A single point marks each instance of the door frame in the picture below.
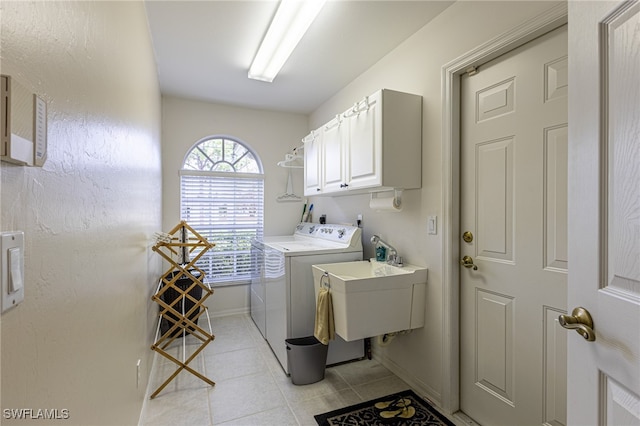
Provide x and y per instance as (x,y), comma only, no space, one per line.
(549,20)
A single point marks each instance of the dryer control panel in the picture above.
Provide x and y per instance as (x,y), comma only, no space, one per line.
(346,234)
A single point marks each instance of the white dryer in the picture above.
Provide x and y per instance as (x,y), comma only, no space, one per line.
(283,298)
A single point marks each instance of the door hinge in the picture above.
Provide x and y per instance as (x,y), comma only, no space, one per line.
(472,71)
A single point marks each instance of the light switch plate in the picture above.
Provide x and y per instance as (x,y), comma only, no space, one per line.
(432,225)
(12,269)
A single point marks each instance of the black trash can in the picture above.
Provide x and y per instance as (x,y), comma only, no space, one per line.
(170,294)
(307,358)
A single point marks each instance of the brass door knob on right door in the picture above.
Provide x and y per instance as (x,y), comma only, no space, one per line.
(580,320)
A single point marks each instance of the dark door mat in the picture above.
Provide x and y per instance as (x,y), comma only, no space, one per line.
(402,409)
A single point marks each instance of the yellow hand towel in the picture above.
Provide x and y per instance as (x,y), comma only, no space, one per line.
(324,329)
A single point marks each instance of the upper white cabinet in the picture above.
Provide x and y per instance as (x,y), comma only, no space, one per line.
(335,139)
(312,157)
(366,141)
(373,146)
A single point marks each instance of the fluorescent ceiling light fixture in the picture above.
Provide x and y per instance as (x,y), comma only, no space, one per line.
(291,22)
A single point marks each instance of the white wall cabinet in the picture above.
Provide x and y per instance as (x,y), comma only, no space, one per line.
(312,157)
(374,146)
(365,144)
(335,138)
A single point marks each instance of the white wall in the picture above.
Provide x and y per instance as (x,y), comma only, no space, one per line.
(269,134)
(416,67)
(88,214)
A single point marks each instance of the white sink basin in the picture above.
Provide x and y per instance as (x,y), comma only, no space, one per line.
(364,269)
(372,298)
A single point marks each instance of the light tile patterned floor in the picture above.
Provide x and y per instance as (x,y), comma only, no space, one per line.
(251,387)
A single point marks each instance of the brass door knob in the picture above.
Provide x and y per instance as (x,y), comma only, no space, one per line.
(467,262)
(580,320)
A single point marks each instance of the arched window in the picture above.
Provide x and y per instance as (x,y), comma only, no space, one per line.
(222,198)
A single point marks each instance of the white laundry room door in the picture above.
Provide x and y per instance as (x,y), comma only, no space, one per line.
(513,247)
(604,207)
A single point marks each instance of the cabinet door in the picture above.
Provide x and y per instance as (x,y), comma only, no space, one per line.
(334,149)
(365,145)
(312,164)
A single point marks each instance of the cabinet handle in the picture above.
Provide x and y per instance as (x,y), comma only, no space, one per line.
(344,185)
(317,189)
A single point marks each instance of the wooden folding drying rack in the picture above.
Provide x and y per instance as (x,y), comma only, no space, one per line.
(178,242)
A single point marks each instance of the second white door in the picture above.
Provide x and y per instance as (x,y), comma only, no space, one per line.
(514,219)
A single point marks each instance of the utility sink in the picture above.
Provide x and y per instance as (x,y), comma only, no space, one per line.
(373,298)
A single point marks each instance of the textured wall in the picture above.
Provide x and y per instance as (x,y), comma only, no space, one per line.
(88,214)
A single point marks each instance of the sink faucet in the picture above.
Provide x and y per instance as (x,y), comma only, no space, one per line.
(392,253)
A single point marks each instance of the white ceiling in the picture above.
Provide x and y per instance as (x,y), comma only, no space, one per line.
(204,48)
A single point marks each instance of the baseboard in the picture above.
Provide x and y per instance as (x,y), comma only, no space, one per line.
(229,312)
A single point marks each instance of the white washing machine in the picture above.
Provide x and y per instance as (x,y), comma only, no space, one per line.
(283,298)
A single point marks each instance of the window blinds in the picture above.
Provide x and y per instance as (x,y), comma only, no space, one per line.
(226,209)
